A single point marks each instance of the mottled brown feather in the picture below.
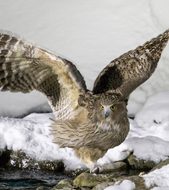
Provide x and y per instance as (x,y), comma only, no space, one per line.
(25,67)
(131,69)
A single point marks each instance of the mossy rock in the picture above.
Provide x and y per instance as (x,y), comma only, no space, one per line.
(139,164)
(91,180)
(138,181)
(102,186)
(114,167)
(20,160)
(40,188)
(64,184)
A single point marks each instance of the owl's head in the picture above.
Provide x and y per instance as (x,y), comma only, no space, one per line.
(105,106)
(110,105)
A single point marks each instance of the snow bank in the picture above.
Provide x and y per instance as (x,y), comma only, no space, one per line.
(146,148)
(124,185)
(159,178)
(90,34)
(33,136)
(19,104)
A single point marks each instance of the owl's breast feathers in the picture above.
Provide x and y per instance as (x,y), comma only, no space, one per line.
(77,133)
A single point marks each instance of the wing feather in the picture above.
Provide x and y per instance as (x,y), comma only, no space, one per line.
(127,72)
(25,67)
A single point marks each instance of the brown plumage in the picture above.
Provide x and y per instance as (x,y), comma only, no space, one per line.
(90,122)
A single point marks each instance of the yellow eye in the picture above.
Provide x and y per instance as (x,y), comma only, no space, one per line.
(112,107)
(101,107)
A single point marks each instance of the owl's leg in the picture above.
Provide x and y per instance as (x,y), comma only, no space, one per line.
(90,156)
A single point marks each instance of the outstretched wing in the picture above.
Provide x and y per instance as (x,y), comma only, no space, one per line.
(25,67)
(127,72)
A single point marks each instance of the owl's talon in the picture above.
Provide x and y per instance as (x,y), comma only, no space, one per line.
(95,170)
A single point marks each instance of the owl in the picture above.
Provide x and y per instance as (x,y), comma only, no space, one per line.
(89,121)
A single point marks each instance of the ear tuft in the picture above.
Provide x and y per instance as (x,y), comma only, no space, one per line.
(84,99)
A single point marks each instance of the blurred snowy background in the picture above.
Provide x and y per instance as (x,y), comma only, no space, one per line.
(90,33)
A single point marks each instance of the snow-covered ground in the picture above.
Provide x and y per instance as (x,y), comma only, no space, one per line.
(33,136)
(90,33)
(148,139)
(158,178)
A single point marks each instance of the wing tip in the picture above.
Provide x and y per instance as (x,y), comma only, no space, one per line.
(7,32)
(154,47)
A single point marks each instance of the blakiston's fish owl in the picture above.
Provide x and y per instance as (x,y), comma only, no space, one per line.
(90,122)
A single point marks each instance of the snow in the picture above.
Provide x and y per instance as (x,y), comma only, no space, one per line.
(124,185)
(146,148)
(159,178)
(19,104)
(33,136)
(89,33)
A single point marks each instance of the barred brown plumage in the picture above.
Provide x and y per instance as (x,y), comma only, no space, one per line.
(90,122)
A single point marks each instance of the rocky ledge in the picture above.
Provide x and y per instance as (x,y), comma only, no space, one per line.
(132,169)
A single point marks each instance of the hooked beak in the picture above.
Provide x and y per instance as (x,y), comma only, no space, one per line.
(106,113)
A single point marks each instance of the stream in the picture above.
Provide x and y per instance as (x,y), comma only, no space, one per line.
(28,179)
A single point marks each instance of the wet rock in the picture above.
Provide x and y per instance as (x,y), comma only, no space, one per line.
(102,186)
(66,184)
(65,188)
(57,166)
(75,173)
(139,164)
(161,164)
(4,157)
(20,160)
(91,180)
(137,180)
(40,188)
(116,166)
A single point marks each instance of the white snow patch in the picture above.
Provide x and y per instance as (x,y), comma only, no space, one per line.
(19,104)
(124,185)
(154,111)
(146,148)
(32,135)
(158,179)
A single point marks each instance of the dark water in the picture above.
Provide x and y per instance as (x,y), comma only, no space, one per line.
(19,180)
